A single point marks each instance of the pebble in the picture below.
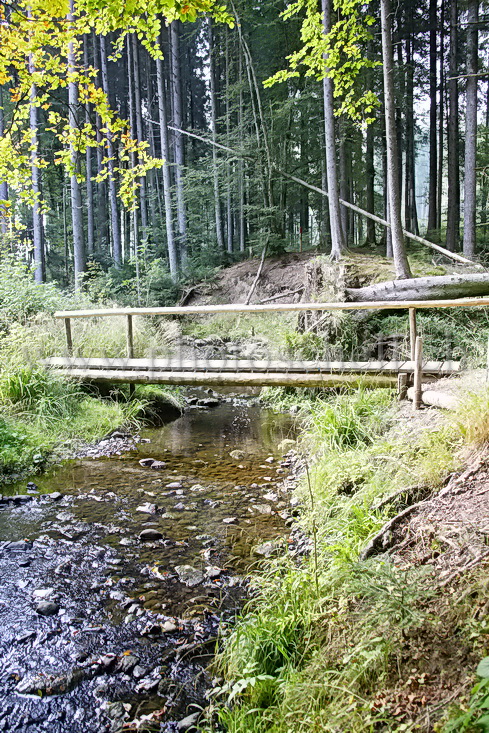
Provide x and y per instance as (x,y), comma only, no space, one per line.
(147,508)
(150,535)
(230,520)
(174,485)
(189,575)
(187,722)
(47,608)
(213,572)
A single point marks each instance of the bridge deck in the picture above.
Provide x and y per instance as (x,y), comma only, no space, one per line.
(242,372)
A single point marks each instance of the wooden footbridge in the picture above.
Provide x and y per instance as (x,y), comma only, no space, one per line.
(245,372)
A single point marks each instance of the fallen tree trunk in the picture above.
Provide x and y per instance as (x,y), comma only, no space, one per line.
(423,288)
(433,398)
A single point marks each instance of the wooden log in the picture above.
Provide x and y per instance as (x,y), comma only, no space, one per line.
(237,379)
(434,398)
(418,372)
(387,304)
(423,288)
(257,277)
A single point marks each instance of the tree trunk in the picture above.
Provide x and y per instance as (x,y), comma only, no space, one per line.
(241,169)
(337,239)
(370,183)
(433,167)
(76,200)
(485,178)
(37,226)
(143,199)
(114,212)
(441,119)
(229,165)
(217,194)
(453,213)
(411,217)
(176,90)
(3,184)
(423,288)
(165,154)
(470,176)
(400,260)
(88,168)
(102,220)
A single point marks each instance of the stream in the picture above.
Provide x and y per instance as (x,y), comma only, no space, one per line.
(116,572)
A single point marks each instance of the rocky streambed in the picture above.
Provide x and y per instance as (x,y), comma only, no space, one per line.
(117,568)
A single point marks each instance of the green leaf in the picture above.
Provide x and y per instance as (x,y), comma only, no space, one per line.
(483,667)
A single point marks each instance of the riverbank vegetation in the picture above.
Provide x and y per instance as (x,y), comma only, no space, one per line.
(44,416)
(330,642)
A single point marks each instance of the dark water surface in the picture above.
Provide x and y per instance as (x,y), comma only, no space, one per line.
(130,637)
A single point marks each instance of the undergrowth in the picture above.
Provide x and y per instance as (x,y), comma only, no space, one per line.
(324,638)
(40,411)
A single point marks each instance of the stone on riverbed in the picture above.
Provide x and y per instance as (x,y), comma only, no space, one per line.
(50,684)
(267,549)
(238,455)
(213,572)
(152,463)
(47,608)
(189,722)
(189,575)
(147,508)
(150,535)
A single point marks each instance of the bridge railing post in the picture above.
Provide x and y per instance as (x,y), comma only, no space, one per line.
(412,332)
(69,337)
(129,338)
(418,373)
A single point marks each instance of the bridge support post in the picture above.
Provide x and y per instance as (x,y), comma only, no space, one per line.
(69,338)
(129,338)
(418,373)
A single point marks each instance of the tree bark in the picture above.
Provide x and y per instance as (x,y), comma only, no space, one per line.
(143,199)
(398,249)
(433,163)
(88,168)
(453,212)
(441,118)
(3,184)
(76,200)
(114,211)
(423,288)
(215,171)
(337,238)
(37,225)
(470,175)
(176,89)
(165,154)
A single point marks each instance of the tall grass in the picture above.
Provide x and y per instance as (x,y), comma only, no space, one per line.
(318,640)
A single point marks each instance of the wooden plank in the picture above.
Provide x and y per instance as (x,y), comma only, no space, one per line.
(259,366)
(273,308)
(230,379)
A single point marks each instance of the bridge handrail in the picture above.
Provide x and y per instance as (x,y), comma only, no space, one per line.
(273,308)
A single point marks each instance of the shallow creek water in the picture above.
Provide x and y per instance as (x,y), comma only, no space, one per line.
(131,635)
